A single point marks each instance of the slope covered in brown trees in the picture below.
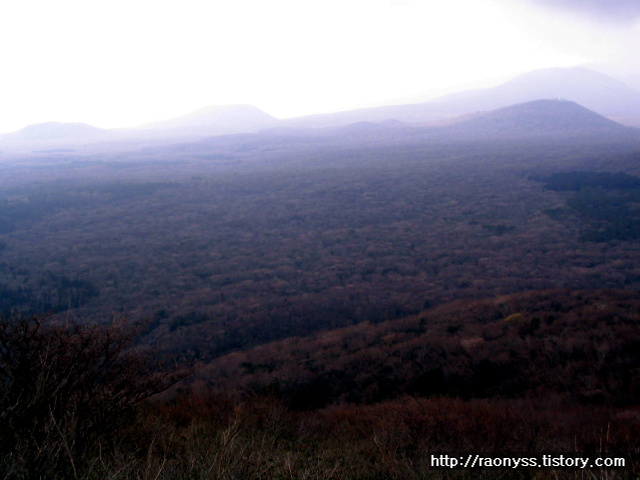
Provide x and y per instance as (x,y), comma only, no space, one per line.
(582,345)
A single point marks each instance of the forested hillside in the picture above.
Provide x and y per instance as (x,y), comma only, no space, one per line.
(581,345)
(552,371)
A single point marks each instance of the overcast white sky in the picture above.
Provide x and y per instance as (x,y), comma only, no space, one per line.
(121,63)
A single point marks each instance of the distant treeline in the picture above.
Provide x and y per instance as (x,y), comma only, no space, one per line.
(608,201)
(575,181)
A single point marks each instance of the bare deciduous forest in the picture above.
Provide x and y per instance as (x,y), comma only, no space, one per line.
(334,308)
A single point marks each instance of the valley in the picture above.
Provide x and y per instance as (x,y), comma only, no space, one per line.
(326,237)
(398,288)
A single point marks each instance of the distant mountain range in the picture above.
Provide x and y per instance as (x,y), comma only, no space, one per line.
(595,91)
(209,121)
(536,118)
(539,120)
(550,101)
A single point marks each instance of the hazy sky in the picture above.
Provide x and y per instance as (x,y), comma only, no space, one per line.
(125,62)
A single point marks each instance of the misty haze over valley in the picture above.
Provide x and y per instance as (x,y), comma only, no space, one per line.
(595,91)
(340,286)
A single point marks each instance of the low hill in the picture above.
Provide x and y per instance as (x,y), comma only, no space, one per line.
(55,132)
(411,113)
(216,120)
(556,117)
